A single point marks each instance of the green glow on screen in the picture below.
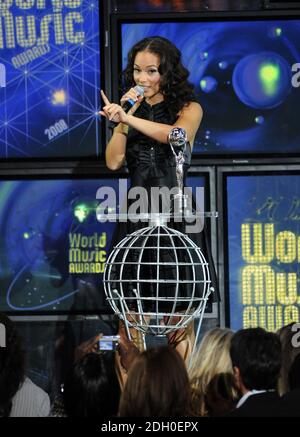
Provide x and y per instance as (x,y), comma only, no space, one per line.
(269,75)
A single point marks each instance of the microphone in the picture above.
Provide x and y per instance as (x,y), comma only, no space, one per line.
(130,102)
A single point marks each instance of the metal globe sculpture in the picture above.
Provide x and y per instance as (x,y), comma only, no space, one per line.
(157,280)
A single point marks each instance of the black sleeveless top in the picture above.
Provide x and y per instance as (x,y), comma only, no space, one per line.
(149,162)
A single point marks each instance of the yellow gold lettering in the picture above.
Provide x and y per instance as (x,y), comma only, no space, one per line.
(25,4)
(59,30)
(102,256)
(256,248)
(31,31)
(75,255)
(72,4)
(249,317)
(5,4)
(286,244)
(57,5)
(286,288)
(9,29)
(41,4)
(258,285)
(71,35)
(45,22)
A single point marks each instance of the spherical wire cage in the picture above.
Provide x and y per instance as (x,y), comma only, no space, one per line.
(157,280)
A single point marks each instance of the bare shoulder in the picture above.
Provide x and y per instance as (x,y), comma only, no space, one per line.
(192,109)
(193,106)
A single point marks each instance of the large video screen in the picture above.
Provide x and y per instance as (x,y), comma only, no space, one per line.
(55,241)
(245,77)
(263,221)
(53,247)
(49,79)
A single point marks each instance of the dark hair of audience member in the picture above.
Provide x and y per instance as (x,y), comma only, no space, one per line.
(294,374)
(157,385)
(289,352)
(221,394)
(257,354)
(92,389)
(12,366)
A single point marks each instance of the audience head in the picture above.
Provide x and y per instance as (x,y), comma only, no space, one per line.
(289,352)
(256,359)
(12,365)
(221,394)
(92,389)
(212,356)
(157,385)
(211,360)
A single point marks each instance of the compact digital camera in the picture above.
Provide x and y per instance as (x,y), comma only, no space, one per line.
(109,342)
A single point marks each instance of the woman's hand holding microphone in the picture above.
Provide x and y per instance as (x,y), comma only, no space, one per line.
(129,104)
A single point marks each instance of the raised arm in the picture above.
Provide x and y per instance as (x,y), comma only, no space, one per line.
(189,119)
(116,147)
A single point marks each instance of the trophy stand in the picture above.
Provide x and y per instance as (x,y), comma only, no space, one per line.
(177,139)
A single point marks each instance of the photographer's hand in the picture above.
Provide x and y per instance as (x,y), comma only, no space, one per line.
(87,346)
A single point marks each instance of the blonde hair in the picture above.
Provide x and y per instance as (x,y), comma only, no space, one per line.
(212,358)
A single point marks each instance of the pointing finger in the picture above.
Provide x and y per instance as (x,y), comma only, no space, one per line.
(105,99)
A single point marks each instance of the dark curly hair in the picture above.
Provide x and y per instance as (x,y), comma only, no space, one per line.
(174,85)
(91,388)
(12,365)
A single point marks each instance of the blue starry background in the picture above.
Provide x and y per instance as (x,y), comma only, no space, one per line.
(63,84)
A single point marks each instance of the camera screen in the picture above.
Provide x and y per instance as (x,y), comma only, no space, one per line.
(106,345)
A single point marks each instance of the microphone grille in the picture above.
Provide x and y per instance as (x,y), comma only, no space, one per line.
(140,90)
